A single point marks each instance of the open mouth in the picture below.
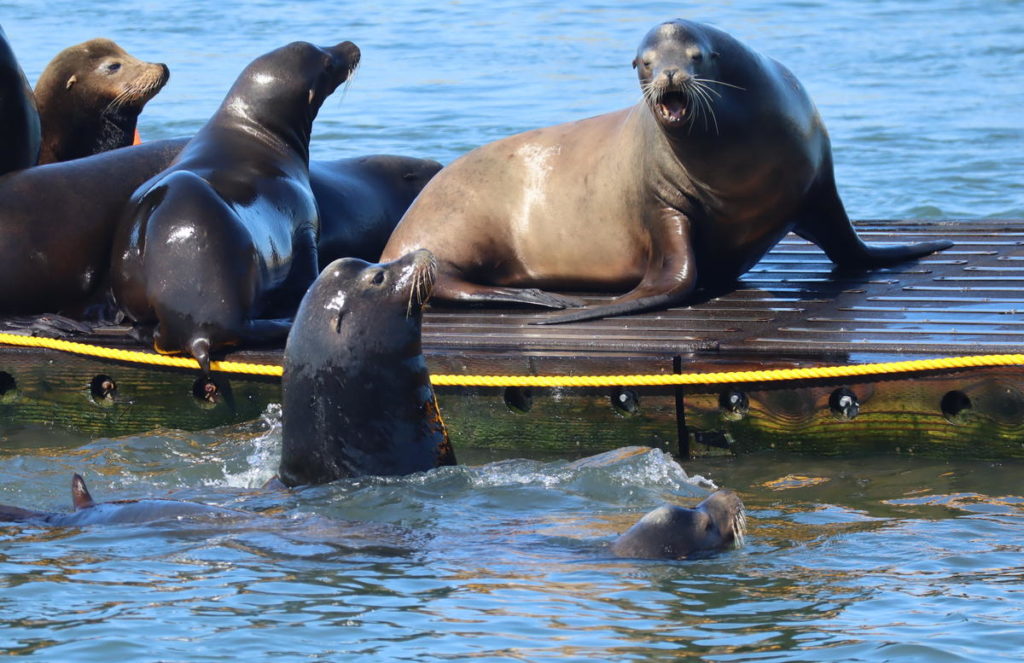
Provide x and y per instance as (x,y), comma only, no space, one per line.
(672,106)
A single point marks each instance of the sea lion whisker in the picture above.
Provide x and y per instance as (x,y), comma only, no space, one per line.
(702,83)
(711,80)
(708,104)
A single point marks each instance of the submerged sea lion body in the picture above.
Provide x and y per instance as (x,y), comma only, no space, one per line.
(688,189)
(356,394)
(89,512)
(90,96)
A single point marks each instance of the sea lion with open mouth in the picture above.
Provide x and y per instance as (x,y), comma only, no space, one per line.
(724,155)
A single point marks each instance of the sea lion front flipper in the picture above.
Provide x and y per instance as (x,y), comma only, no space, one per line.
(80,496)
(452,287)
(670,277)
(823,220)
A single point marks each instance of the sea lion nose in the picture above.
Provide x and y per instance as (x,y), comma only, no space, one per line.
(673,75)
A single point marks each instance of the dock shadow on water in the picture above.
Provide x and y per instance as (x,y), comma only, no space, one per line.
(507,558)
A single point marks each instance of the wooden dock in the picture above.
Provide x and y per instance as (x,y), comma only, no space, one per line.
(792,310)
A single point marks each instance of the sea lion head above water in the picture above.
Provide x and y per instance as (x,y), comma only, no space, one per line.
(356,394)
(675,532)
(90,96)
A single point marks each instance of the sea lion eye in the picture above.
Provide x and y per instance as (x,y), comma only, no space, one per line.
(113,67)
(697,57)
(378,278)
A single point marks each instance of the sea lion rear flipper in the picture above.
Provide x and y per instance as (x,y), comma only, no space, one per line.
(823,221)
(80,496)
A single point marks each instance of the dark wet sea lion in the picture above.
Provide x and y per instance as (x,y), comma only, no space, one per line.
(19,120)
(58,221)
(361,200)
(90,96)
(210,249)
(725,154)
(89,512)
(356,394)
(675,532)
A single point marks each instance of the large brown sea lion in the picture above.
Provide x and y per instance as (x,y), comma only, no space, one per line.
(19,120)
(225,238)
(675,532)
(688,189)
(90,96)
(89,512)
(356,394)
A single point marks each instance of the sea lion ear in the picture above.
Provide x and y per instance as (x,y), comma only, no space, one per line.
(714,55)
(634,63)
(312,93)
(80,496)
(71,81)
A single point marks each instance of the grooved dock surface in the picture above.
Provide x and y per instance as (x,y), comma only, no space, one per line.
(966,300)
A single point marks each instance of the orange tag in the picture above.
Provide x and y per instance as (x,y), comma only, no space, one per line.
(138,139)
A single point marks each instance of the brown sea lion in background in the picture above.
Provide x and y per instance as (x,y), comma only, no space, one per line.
(225,238)
(122,512)
(356,395)
(90,97)
(19,120)
(688,189)
(675,532)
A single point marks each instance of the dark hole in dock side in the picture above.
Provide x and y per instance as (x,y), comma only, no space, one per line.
(103,390)
(206,393)
(955,405)
(8,387)
(518,399)
(844,404)
(734,404)
(625,401)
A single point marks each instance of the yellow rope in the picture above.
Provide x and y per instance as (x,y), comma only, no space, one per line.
(671,379)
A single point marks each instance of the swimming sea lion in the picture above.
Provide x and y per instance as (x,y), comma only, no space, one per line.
(722,157)
(228,233)
(89,512)
(361,200)
(19,120)
(356,394)
(675,532)
(90,96)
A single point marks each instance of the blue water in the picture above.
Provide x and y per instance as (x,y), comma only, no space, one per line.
(505,559)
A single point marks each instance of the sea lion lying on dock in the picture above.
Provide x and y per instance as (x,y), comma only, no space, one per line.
(19,119)
(215,250)
(724,155)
